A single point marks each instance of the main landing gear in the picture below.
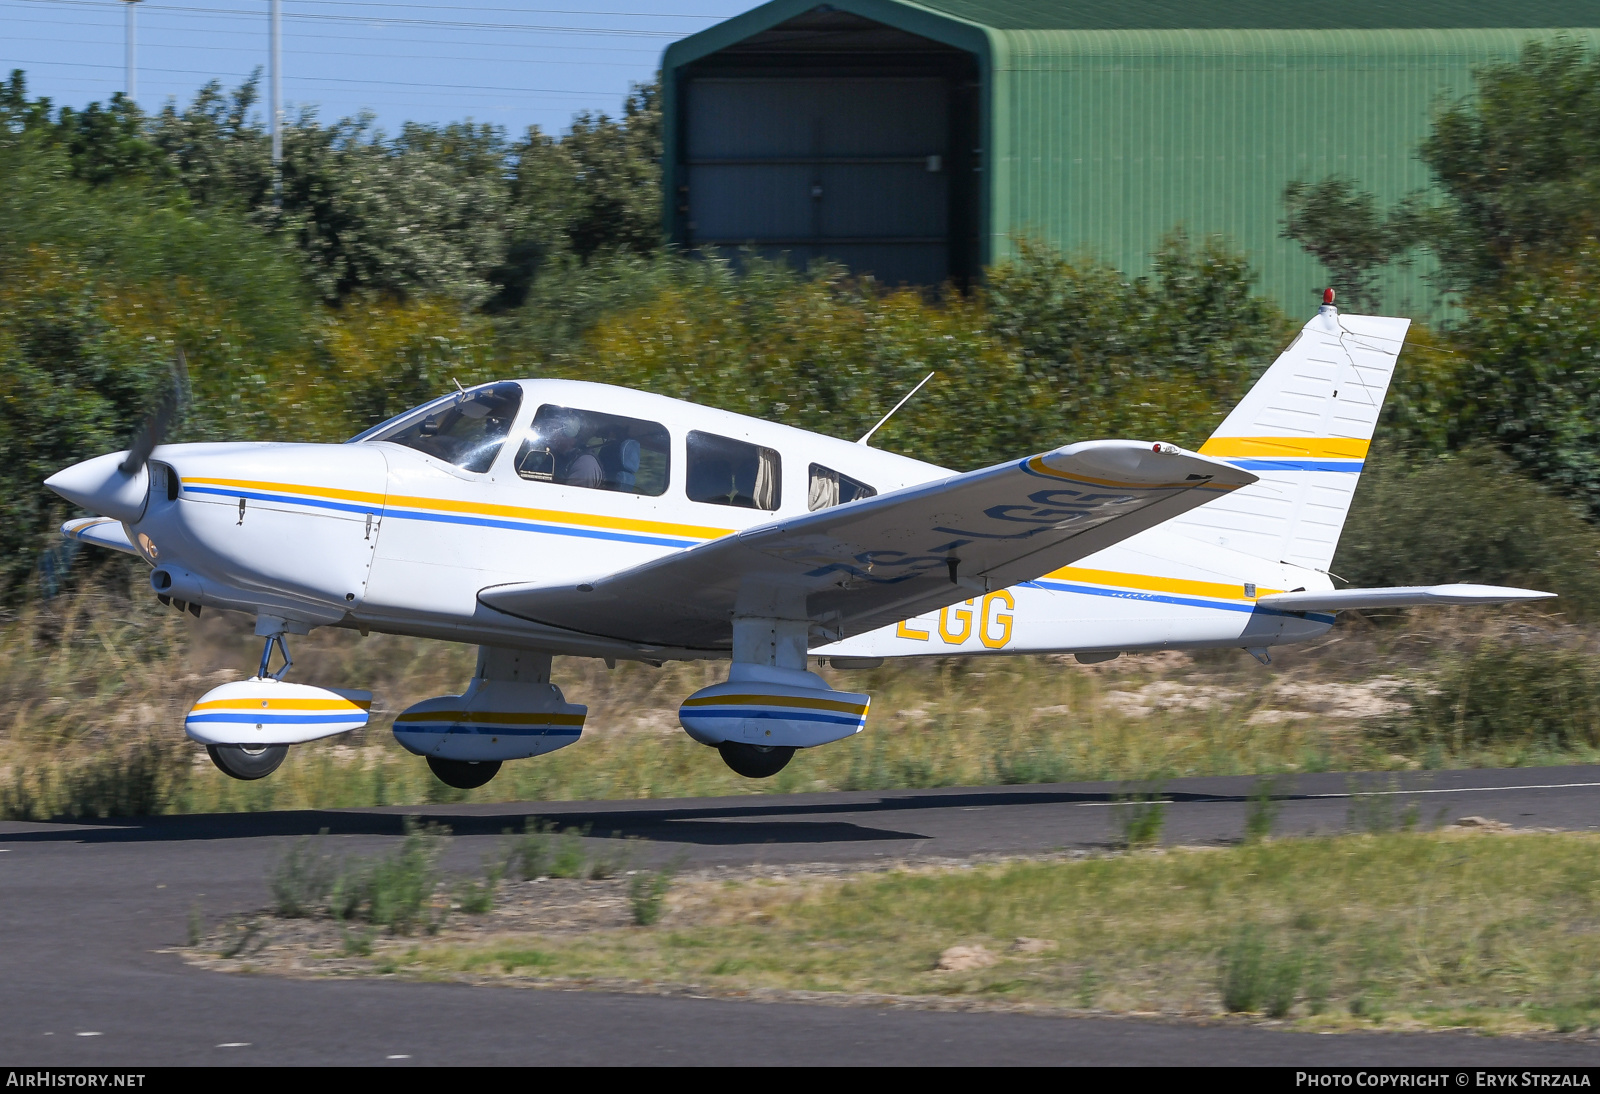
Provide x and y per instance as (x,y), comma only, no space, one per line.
(755,761)
(464,774)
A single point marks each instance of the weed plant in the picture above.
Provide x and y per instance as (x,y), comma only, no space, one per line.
(647,892)
(394,891)
(612,861)
(1258,979)
(568,858)
(1377,805)
(1261,812)
(1140,815)
(304,879)
(527,855)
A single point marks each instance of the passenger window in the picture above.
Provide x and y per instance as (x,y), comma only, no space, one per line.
(830,488)
(595,451)
(723,471)
(466,429)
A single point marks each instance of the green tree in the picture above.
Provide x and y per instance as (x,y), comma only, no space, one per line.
(1518,165)
(1162,356)
(1342,228)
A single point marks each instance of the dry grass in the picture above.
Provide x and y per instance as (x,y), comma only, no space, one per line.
(1463,928)
(94,689)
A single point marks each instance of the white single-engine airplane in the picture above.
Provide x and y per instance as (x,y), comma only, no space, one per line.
(541,517)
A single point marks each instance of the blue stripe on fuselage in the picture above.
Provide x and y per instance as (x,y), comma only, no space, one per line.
(447,518)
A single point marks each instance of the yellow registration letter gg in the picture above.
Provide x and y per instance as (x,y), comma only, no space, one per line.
(990,640)
(963,619)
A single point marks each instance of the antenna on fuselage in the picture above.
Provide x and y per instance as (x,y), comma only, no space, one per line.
(867,436)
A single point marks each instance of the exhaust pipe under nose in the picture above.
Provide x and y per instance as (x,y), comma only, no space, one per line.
(177,583)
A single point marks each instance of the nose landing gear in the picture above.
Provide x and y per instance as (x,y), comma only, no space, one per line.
(248,763)
(247,726)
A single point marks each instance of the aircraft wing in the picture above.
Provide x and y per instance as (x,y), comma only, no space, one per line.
(100,531)
(870,563)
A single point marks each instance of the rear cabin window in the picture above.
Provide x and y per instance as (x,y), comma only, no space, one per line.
(723,471)
(596,451)
(466,429)
(830,488)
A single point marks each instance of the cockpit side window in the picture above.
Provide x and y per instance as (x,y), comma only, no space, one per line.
(830,488)
(597,451)
(466,429)
(723,471)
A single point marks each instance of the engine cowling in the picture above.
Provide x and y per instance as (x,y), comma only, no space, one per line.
(491,720)
(770,707)
(274,712)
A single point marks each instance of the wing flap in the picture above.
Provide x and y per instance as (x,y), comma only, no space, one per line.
(1398,596)
(858,566)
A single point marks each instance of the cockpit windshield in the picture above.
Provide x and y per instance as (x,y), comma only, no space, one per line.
(466,429)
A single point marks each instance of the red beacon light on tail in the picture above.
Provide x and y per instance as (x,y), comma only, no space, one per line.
(1327,296)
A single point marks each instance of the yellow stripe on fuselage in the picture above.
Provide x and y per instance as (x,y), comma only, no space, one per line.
(1216,590)
(477,509)
(498,718)
(247,703)
(1286,448)
(774,700)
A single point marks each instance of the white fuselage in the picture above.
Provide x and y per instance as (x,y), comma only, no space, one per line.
(379,536)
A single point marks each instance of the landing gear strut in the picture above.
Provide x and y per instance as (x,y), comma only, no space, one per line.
(464,774)
(755,761)
(247,762)
(251,762)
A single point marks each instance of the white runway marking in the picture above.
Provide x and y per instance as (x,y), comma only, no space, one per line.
(1458,790)
(1371,793)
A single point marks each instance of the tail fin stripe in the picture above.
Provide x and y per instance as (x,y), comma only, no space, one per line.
(1300,465)
(1335,448)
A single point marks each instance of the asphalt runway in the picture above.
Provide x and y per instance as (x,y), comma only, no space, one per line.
(89,913)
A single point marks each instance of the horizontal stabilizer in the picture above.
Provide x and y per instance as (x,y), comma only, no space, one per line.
(1399,596)
(100,531)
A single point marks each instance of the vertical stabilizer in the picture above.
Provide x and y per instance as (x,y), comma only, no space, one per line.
(1304,429)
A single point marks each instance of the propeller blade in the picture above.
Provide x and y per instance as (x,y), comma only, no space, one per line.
(167,410)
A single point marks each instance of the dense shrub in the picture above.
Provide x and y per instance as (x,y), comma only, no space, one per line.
(1537,698)
(1471,516)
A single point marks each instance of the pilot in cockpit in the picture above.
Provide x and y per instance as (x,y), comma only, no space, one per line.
(572,464)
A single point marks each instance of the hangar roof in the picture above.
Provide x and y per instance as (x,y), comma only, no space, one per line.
(1268,14)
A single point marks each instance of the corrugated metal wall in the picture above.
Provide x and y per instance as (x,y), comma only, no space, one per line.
(1106,140)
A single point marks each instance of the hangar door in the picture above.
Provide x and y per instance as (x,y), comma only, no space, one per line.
(870,171)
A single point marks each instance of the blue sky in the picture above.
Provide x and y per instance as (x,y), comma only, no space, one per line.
(496,61)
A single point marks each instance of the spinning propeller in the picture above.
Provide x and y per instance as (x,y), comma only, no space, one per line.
(118,485)
(167,411)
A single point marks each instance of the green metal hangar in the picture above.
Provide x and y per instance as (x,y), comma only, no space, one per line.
(917,141)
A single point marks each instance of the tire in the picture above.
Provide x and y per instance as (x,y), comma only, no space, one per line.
(755,761)
(463,774)
(247,763)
